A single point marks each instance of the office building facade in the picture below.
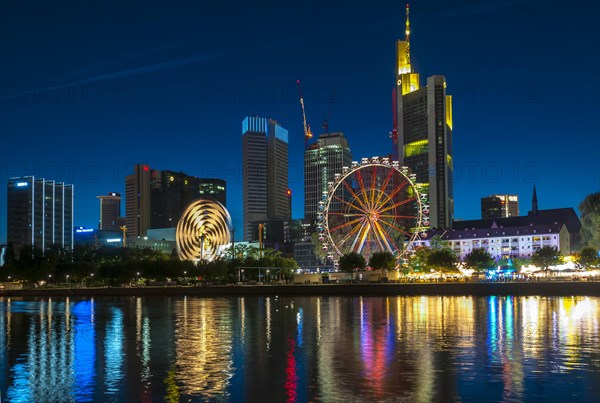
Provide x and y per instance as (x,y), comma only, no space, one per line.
(110,211)
(171,192)
(424,133)
(322,160)
(39,213)
(278,202)
(137,201)
(157,198)
(264,172)
(98,237)
(498,206)
(213,189)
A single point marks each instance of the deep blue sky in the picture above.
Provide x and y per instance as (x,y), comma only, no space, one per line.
(89,89)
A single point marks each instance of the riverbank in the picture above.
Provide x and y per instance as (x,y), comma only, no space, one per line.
(553,288)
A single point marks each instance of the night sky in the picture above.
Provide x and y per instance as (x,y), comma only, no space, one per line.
(89,89)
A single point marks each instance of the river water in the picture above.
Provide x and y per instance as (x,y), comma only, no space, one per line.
(285,349)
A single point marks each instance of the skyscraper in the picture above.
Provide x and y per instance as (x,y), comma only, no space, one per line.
(156,199)
(424,133)
(40,213)
(322,160)
(110,211)
(278,201)
(171,192)
(137,201)
(214,189)
(264,172)
(499,206)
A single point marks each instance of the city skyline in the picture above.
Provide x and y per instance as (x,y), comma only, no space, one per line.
(176,99)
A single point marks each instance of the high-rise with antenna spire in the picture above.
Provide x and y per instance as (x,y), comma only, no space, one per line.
(424,127)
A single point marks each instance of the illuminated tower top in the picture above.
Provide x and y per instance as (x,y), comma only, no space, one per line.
(403,49)
(406,79)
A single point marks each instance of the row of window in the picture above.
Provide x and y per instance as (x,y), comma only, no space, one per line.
(508,240)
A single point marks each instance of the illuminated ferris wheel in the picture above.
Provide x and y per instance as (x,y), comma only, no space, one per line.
(371,207)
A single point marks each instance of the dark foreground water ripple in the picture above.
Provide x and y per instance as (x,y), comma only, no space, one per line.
(283,349)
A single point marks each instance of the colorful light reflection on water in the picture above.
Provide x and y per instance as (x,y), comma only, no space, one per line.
(299,349)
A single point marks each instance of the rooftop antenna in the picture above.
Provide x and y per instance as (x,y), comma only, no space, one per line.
(325,125)
(407,22)
(407,32)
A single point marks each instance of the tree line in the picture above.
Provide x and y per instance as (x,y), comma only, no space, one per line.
(441,258)
(92,265)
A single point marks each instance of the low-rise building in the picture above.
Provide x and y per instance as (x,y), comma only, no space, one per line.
(97,237)
(513,242)
(536,220)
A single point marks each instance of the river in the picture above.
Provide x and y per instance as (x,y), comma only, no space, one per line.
(286,349)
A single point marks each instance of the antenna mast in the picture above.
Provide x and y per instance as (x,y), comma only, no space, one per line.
(407,32)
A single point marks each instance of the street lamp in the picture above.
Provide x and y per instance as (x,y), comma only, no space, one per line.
(67,280)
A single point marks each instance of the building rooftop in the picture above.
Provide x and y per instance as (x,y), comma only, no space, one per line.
(470,233)
(566,216)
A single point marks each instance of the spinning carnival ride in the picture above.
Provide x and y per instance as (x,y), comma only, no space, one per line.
(203,230)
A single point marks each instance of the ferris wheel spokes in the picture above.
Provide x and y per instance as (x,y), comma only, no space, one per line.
(379,236)
(364,230)
(373,183)
(350,204)
(354,195)
(396,216)
(347,214)
(386,183)
(350,234)
(395,228)
(346,224)
(362,187)
(400,203)
(395,192)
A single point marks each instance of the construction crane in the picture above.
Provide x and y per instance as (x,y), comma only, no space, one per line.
(124,229)
(307,132)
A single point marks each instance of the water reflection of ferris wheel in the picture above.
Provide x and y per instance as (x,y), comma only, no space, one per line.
(371,207)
